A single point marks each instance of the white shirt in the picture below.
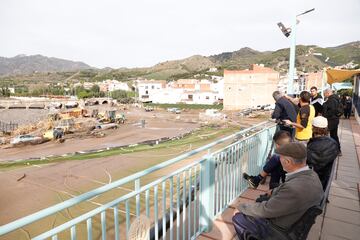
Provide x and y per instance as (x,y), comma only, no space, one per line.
(298,170)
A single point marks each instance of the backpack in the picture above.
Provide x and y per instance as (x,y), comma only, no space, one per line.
(339,109)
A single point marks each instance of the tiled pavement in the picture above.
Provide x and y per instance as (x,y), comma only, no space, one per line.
(341,218)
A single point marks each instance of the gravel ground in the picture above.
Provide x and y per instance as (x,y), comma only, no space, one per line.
(23,116)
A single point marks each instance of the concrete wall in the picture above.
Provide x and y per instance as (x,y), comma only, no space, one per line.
(243,90)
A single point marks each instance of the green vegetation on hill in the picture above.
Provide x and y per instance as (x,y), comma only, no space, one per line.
(308,59)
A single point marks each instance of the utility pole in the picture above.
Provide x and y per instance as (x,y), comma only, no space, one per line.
(292,33)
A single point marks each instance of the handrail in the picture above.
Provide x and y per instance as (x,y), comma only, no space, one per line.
(98,210)
(83,197)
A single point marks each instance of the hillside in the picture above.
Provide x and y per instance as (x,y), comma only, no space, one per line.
(22,64)
(308,59)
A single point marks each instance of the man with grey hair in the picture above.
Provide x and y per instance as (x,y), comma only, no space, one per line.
(331,112)
(301,190)
(284,110)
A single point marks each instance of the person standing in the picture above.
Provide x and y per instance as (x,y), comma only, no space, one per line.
(284,110)
(332,113)
(347,107)
(316,100)
(304,118)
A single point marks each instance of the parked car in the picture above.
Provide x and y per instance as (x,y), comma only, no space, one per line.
(270,107)
(22,139)
(149,109)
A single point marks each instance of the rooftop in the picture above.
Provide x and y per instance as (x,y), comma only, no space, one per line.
(255,68)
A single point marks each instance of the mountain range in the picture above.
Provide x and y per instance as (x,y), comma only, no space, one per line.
(23,64)
(308,58)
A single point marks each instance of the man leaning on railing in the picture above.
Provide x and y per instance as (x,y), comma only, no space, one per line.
(284,110)
(301,190)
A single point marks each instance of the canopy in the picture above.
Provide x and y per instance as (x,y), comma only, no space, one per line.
(335,75)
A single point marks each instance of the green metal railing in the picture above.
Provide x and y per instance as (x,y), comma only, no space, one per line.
(180,204)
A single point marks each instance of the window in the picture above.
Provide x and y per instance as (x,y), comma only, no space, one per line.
(146,87)
(152,87)
(207,97)
(146,92)
(190,97)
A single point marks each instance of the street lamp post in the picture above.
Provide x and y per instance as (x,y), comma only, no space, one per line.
(290,87)
(292,33)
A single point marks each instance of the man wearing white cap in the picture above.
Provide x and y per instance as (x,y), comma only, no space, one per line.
(322,150)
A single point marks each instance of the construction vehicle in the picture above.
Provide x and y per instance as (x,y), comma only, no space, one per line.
(149,109)
(66,124)
(54,116)
(111,117)
(120,118)
(54,134)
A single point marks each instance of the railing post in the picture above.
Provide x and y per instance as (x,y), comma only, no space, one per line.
(207,193)
(137,187)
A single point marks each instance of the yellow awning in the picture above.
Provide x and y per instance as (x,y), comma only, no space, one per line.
(335,75)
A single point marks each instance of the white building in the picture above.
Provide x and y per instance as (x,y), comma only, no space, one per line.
(189,91)
(88,85)
(12,90)
(213,69)
(218,87)
(168,95)
(113,85)
(200,97)
(149,89)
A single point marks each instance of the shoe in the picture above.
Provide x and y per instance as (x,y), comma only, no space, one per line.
(253,181)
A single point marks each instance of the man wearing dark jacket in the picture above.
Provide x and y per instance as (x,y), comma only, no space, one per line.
(330,111)
(316,101)
(347,107)
(288,202)
(284,110)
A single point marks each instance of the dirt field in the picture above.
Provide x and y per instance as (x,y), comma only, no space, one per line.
(158,125)
(22,116)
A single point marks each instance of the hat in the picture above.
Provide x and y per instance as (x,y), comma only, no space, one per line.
(293,149)
(320,122)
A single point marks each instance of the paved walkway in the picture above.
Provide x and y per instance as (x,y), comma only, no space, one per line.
(341,218)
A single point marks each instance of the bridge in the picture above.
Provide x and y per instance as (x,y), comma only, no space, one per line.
(43,103)
(196,199)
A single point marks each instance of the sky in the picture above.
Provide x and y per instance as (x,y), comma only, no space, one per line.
(141,33)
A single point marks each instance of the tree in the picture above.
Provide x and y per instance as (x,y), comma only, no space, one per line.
(119,94)
(4,92)
(95,89)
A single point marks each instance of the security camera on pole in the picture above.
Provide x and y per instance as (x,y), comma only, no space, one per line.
(292,33)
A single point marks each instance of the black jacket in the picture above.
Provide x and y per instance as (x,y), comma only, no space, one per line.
(317,102)
(330,107)
(321,153)
(284,109)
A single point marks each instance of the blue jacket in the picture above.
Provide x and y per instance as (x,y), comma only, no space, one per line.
(284,109)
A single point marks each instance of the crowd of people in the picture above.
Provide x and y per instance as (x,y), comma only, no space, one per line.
(306,145)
